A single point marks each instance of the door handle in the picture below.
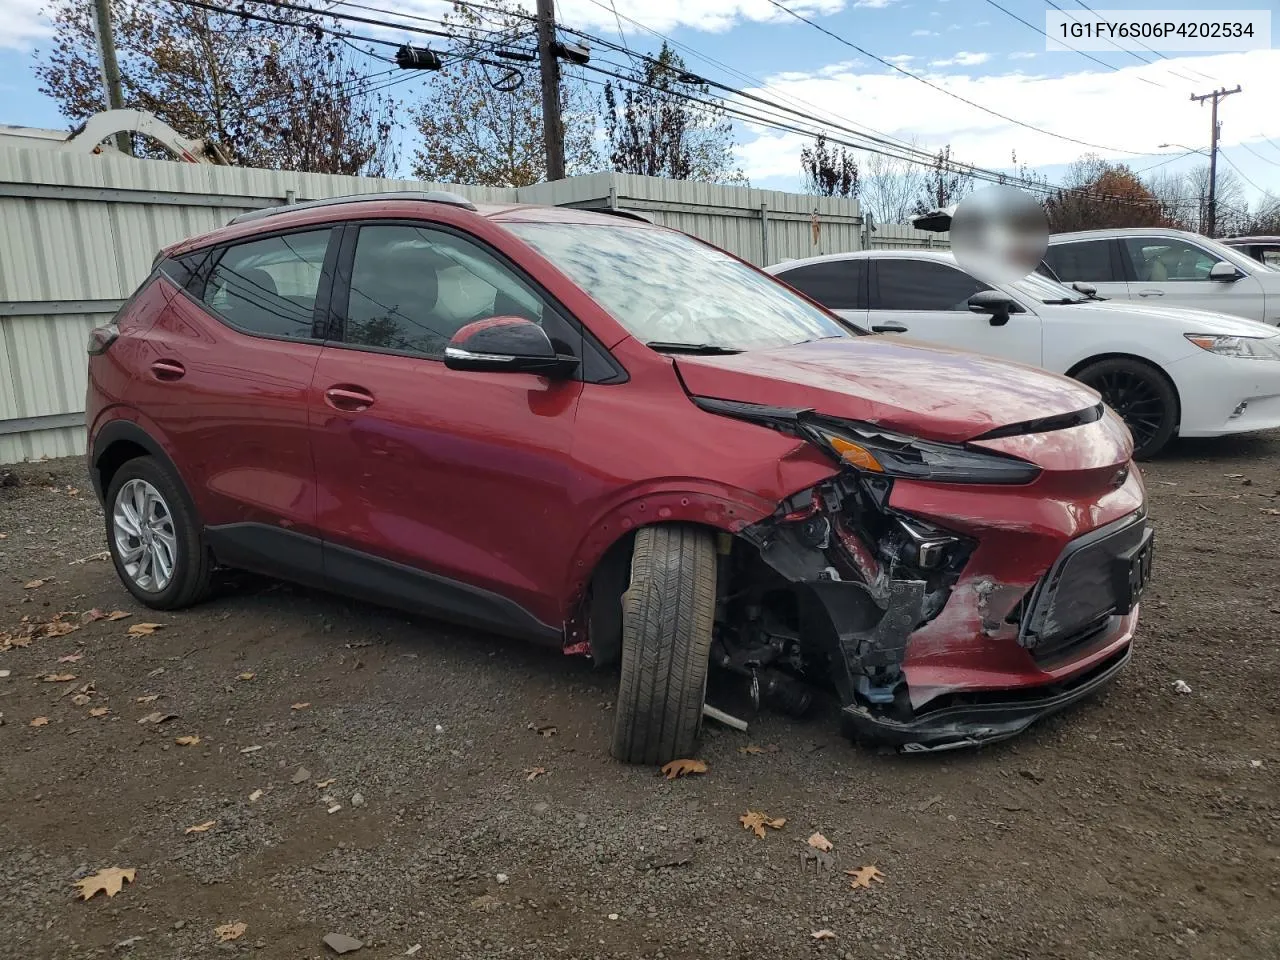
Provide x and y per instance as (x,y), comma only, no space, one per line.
(168,370)
(348,398)
(1151,293)
(891,327)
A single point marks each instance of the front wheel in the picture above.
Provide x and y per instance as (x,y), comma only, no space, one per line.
(668,612)
(1141,395)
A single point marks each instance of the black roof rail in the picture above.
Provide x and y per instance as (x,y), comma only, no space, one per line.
(622,212)
(422,196)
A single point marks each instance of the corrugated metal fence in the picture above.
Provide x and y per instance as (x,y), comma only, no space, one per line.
(78,233)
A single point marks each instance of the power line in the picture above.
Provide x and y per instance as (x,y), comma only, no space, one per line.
(1145,47)
(954,96)
(1258,155)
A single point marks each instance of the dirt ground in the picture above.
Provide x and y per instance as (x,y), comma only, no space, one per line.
(370,775)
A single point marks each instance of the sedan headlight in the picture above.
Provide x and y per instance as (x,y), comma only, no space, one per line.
(1249,348)
(894,455)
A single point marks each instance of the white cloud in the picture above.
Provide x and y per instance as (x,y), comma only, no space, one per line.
(954,26)
(962,59)
(874,4)
(901,59)
(711,15)
(1022,55)
(1079,105)
(924,33)
(21,25)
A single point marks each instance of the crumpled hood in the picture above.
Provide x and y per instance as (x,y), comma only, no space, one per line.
(1187,319)
(925,391)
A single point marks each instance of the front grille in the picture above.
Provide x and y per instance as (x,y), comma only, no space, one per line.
(1087,586)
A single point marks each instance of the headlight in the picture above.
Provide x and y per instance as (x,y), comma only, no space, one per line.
(893,455)
(1250,348)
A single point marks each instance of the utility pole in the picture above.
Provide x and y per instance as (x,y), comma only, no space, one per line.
(110,68)
(552,125)
(1212,218)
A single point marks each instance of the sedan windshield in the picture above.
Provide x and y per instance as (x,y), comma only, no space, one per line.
(1047,291)
(676,293)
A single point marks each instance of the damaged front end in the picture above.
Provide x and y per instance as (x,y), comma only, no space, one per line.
(842,585)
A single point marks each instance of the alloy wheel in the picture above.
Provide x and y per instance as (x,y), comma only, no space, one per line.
(1136,401)
(145,539)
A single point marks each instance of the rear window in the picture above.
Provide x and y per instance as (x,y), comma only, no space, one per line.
(1086,260)
(269,287)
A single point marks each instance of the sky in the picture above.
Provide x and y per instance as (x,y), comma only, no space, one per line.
(1123,107)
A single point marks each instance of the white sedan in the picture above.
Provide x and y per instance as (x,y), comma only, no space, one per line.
(1165,370)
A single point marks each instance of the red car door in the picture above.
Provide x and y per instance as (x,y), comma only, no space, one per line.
(227,388)
(441,490)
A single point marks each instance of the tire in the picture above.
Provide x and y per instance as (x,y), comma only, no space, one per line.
(173,541)
(1142,396)
(667,616)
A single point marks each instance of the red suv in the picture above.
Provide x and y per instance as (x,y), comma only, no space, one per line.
(615,439)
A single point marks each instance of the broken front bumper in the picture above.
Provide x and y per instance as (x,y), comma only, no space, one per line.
(982,720)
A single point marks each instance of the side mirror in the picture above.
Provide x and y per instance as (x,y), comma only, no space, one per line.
(1224,272)
(1088,289)
(506,345)
(995,303)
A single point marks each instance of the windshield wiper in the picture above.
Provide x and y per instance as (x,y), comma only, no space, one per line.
(701,349)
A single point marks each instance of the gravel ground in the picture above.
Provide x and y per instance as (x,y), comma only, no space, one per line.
(1145,823)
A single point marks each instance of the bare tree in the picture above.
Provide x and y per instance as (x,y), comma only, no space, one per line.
(890,187)
(284,95)
(945,183)
(483,124)
(829,172)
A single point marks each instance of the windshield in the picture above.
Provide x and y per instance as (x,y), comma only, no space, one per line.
(667,288)
(1047,291)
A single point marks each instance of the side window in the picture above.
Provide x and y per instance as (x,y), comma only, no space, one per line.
(1161,259)
(1086,260)
(269,287)
(923,285)
(836,284)
(413,288)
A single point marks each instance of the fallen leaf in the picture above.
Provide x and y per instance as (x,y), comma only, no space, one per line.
(201,827)
(246,676)
(71,658)
(819,842)
(824,935)
(255,796)
(59,677)
(322,784)
(230,931)
(158,717)
(144,629)
(108,881)
(863,876)
(756,822)
(751,749)
(117,615)
(680,768)
(187,741)
(34,584)
(99,712)
(91,616)
(58,628)
(300,706)
(82,699)
(40,722)
(535,772)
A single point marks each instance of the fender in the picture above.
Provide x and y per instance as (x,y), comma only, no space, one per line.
(115,427)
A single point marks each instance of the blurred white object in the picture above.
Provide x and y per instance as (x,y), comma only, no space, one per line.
(1180,686)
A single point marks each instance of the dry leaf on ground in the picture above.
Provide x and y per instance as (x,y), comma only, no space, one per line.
(201,827)
(534,772)
(59,677)
(82,699)
(680,768)
(71,658)
(40,722)
(99,712)
(158,717)
(824,935)
(255,796)
(751,749)
(863,876)
(230,931)
(107,881)
(34,584)
(118,615)
(246,676)
(300,706)
(144,629)
(149,698)
(187,741)
(819,842)
(322,784)
(756,822)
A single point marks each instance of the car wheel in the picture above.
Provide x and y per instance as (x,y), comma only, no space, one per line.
(667,616)
(1142,396)
(154,539)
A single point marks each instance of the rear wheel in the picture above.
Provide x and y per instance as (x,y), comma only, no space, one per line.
(667,616)
(154,539)
(1142,396)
